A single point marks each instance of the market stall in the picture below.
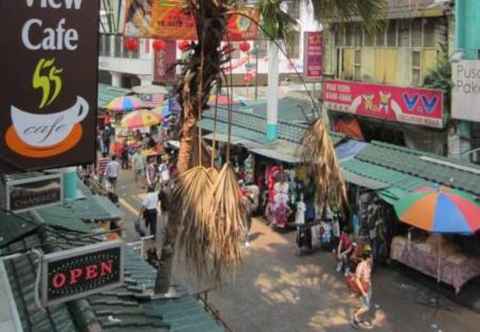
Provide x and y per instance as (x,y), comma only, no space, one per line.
(440,213)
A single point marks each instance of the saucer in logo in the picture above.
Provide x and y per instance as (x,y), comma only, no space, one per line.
(15,143)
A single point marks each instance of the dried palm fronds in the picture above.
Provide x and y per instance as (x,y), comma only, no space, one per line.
(319,154)
(191,199)
(228,223)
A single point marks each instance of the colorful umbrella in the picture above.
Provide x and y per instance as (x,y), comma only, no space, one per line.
(125,103)
(140,119)
(440,211)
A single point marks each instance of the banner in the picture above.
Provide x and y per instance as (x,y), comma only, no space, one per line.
(166,19)
(76,273)
(313,54)
(164,64)
(466,90)
(49,97)
(409,105)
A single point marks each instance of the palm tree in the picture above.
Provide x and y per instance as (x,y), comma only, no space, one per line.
(201,73)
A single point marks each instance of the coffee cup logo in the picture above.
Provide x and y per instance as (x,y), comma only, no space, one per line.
(37,134)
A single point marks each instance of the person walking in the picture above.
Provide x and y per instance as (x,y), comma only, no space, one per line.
(363,283)
(102,163)
(124,155)
(152,174)
(150,211)
(112,172)
(138,165)
(106,139)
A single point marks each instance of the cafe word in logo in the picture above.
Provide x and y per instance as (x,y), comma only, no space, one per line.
(40,132)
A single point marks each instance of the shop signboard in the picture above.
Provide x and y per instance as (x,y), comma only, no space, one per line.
(49,93)
(313,54)
(167,19)
(33,192)
(466,90)
(385,102)
(164,64)
(72,274)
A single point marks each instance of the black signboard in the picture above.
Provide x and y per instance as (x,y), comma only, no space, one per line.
(49,91)
(76,273)
(34,192)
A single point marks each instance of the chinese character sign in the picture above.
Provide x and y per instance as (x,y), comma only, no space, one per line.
(391,103)
(313,58)
(49,53)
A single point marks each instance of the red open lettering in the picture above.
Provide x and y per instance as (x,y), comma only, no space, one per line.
(75,275)
(91,272)
(106,267)
(59,280)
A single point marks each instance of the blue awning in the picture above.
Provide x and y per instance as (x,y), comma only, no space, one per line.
(350,149)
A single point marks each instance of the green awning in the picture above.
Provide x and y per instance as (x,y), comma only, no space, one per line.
(107,93)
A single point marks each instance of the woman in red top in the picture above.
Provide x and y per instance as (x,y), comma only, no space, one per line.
(344,250)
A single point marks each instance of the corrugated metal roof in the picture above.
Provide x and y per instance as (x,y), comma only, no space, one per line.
(106,93)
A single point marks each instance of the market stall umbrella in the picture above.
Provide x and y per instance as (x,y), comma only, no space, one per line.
(140,119)
(125,103)
(442,210)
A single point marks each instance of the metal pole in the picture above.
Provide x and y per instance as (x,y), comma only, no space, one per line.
(256,70)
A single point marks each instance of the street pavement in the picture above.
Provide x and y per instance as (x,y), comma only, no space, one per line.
(275,290)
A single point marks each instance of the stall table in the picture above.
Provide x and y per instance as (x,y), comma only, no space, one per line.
(455,270)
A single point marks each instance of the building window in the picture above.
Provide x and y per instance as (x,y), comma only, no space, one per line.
(293,8)
(293,49)
(380,38)
(349,35)
(358,36)
(416,67)
(357,65)
(392,34)
(429,33)
(417,33)
(404,33)
(262,46)
(369,39)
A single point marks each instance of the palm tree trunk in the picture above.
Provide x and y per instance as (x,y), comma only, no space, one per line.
(194,87)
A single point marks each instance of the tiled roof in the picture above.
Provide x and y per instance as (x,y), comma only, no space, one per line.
(14,227)
(446,171)
(107,93)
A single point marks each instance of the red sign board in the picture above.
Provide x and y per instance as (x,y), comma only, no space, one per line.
(164,67)
(409,105)
(313,54)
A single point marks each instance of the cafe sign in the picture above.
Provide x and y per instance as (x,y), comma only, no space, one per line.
(49,93)
(72,274)
(33,193)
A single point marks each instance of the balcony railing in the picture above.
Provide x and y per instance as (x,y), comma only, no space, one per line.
(113,45)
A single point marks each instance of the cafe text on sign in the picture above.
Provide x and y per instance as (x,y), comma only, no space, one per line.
(76,273)
(50,59)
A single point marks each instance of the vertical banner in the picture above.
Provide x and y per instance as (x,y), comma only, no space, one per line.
(164,64)
(313,54)
(49,94)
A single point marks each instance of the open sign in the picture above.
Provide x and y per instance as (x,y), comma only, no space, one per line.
(79,272)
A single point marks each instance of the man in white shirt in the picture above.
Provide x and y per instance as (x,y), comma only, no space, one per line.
(138,163)
(150,212)
(112,171)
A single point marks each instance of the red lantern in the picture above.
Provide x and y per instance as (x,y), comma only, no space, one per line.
(244,46)
(131,44)
(159,45)
(184,45)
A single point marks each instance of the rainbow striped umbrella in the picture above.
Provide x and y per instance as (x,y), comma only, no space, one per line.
(140,119)
(124,104)
(440,211)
